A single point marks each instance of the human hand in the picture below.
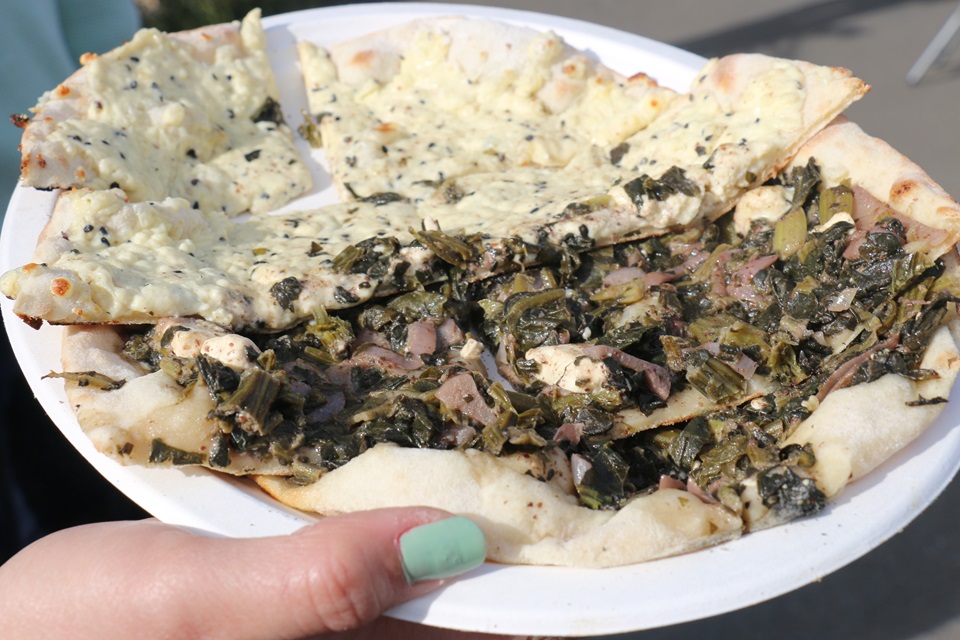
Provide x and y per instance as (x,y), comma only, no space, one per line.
(149,579)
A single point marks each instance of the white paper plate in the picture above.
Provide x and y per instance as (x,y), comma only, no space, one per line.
(496,598)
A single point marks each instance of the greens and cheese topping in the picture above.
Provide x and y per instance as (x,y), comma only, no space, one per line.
(760,328)
(107,261)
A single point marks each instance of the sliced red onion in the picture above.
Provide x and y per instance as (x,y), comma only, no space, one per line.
(669,482)
(385,355)
(695,489)
(458,435)
(421,338)
(366,336)
(657,278)
(336,401)
(569,432)
(845,372)
(449,334)
(460,393)
(623,276)
(656,377)
(745,366)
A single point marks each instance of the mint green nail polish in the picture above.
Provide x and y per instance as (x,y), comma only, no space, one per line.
(442,549)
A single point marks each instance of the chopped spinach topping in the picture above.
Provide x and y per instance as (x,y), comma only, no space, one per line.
(702,311)
(269,112)
(672,182)
(286,291)
(162,452)
(88,379)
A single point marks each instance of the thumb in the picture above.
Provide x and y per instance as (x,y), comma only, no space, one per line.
(113,580)
(338,574)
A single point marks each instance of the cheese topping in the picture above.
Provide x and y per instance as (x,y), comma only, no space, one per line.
(767,204)
(113,261)
(235,351)
(443,113)
(189,343)
(567,367)
(162,116)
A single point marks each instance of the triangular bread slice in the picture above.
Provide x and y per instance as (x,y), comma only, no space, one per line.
(192,115)
(742,121)
(404,109)
(847,154)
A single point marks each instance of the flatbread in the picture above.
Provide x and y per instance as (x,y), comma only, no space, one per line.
(191,115)
(845,152)
(404,109)
(527,521)
(692,163)
(524,520)
(197,388)
(150,419)
(528,516)
(855,429)
(850,432)
(502,221)
(102,259)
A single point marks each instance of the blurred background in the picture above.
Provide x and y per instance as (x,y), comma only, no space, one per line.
(909,588)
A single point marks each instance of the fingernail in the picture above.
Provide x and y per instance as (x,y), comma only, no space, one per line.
(442,549)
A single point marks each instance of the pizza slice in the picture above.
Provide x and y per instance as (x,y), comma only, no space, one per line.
(103,259)
(743,119)
(403,110)
(193,115)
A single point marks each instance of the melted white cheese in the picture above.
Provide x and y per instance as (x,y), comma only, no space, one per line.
(431,119)
(235,351)
(159,116)
(767,204)
(567,367)
(111,261)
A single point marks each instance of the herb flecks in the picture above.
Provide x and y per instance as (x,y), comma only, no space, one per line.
(286,291)
(671,183)
(88,379)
